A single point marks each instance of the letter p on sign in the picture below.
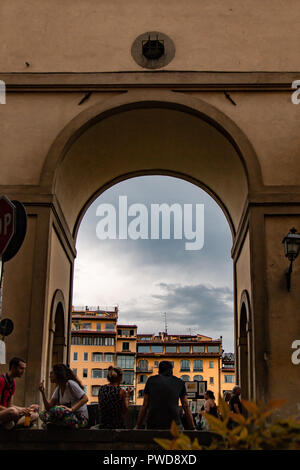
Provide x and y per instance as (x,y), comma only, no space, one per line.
(7,223)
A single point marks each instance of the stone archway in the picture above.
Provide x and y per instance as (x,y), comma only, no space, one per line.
(243,353)
(188,139)
(245,348)
(57,339)
(141,133)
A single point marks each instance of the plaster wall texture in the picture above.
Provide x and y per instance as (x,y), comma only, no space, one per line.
(30,122)
(283,315)
(270,120)
(59,278)
(76,36)
(122,144)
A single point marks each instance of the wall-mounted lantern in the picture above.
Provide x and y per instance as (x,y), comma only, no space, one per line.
(291,250)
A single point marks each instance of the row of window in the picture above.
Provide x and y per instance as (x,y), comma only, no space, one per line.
(104,341)
(184,365)
(186,378)
(175,349)
(88,326)
(125,332)
(128,376)
(96,357)
(95,391)
(143,378)
(93,341)
(95,373)
(125,362)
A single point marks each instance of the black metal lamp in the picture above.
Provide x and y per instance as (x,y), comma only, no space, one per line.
(153,49)
(291,250)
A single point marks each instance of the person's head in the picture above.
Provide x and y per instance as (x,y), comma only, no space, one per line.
(17,366)
(58,374)
(236,390)
(114,375)
(227,396)
(209,394)
(61,373)
(165,368)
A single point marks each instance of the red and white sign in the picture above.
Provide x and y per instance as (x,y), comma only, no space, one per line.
(7,223)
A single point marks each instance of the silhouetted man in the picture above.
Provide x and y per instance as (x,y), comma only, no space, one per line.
(161,396)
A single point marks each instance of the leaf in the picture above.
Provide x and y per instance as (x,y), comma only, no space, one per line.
(184,442)
(196,445)
(238,418)
(244,434)
(174,429)
(251,407)
(216,424)
(164,443)
(224,409)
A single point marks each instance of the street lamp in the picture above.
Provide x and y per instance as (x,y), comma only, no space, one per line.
(291,250)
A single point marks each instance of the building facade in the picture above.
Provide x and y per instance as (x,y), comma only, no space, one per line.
(194,357)
(98,341)
(227,373)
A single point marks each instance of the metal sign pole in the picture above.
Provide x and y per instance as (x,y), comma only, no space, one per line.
(1,285)
(2,344)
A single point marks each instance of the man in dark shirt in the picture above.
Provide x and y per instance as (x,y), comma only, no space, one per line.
(235,402)
(161,396)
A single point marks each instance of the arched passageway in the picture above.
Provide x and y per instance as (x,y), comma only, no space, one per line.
(143,133)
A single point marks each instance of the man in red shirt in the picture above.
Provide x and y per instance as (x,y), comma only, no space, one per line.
(11,415)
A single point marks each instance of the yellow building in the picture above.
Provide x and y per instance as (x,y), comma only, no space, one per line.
(227,373)
(98,341)
(194,358)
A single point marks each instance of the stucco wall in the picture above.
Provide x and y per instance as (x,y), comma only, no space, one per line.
(97,35)
(283,306)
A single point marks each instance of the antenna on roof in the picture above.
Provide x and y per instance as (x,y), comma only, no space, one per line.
(166,324)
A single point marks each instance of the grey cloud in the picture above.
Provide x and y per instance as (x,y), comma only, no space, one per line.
(201,309)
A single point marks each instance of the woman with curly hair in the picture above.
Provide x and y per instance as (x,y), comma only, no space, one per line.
(67,406)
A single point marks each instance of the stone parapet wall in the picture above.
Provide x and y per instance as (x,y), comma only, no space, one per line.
(89,439)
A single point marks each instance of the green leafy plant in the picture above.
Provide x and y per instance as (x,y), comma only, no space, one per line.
(237,432)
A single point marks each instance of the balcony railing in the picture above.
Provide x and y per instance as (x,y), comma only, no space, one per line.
(98,308)
(144,370)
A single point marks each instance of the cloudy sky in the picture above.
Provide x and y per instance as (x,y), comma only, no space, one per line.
(147,277)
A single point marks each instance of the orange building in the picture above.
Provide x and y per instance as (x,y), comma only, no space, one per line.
(98,341)
(227,373)
(194,358)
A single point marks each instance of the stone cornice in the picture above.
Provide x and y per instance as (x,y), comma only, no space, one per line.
(175,80)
